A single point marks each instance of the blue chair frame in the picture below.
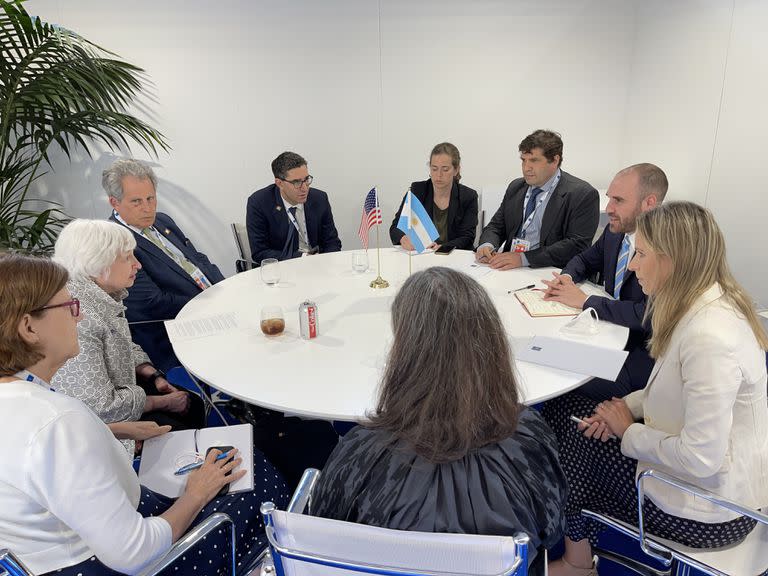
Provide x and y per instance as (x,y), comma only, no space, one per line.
(301,501)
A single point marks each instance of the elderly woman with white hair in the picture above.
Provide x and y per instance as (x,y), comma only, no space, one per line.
(98,255)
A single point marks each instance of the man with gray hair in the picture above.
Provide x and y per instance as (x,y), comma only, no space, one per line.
(288,219)
(172,270)
(633,190)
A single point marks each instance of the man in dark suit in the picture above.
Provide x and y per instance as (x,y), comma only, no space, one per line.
(288,219)
(633,190)
(546,217)
(172,270)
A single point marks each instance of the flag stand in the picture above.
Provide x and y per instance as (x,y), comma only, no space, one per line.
(378,283)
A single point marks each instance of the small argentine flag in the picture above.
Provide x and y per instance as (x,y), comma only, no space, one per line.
(416,223)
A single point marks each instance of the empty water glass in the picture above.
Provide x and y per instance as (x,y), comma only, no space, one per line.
(360,261)
(270,271)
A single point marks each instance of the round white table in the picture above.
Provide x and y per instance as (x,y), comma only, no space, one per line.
(336,375)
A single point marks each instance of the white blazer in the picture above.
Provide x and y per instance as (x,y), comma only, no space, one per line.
(705,413)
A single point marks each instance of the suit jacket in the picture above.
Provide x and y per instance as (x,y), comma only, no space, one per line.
(267,224)
(705,413)
(627,311)
(568,225)
(162,288)
(462,214)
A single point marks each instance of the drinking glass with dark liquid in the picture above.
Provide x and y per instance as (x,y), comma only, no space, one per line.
(272,320)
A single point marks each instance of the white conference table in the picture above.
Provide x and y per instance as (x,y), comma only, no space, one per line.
(336,375)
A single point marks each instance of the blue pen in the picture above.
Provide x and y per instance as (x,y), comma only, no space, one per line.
(195,465)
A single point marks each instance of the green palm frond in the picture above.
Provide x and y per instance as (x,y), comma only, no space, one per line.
(57,88)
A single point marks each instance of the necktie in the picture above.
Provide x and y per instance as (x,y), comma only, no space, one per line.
(531,206)
(185,264)
(621,266)
(288,248)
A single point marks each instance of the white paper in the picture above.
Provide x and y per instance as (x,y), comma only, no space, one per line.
(180,330)
(476,270)
(161,454)
(574,357)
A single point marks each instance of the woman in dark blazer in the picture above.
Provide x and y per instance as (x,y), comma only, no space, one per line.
(451,206)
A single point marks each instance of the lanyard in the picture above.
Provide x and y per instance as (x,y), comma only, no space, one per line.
(29,377)
(528,222)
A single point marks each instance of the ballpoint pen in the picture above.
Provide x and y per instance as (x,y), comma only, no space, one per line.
(522,288)
(195,465)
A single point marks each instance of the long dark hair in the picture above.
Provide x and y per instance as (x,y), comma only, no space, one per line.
(449,385)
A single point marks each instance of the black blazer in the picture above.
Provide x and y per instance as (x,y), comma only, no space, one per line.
(567,228)
(462,213)
(627,311)
(162,288)
(267,224)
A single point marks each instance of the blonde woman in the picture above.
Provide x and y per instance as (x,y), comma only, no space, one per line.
(703,415)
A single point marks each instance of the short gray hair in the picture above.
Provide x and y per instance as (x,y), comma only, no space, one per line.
(112,177)
(87,248)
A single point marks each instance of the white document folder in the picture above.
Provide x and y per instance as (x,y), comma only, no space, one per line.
(573,356)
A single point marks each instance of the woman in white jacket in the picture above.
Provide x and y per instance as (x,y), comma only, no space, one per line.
(703,416)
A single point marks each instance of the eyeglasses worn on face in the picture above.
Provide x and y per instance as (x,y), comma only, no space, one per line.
(298,183)
(73,305)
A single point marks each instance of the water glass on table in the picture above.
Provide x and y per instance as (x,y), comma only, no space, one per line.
(270,271)
(359,260)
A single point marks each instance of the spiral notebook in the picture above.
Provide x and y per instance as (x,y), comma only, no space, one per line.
(163,455)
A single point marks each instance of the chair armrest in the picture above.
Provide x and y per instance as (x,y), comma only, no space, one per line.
(690,489)
(302,496)
(190,540)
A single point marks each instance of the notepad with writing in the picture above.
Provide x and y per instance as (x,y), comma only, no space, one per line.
(534,303)
(163,455)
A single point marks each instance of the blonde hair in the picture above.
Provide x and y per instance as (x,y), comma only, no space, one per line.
(688,235)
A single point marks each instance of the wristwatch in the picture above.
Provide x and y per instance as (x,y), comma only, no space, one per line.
(155,375)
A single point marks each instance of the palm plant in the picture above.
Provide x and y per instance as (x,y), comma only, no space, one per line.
(56,89)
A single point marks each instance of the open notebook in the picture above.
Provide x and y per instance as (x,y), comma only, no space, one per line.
(534,303)
(163,455)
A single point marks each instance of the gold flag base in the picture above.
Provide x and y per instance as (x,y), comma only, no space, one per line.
(379,283)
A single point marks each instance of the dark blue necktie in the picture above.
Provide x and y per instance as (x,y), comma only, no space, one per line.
(531,206)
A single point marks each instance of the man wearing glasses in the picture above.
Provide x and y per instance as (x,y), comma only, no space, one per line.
(288,219)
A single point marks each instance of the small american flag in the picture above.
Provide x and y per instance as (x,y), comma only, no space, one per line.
(371,216)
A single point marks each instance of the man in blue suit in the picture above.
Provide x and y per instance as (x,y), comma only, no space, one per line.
(633,190)
(288,219)
(172,270)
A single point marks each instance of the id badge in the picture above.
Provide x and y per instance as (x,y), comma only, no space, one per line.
(520,245)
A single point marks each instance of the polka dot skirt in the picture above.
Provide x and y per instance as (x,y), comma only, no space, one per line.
(211,556)
(602,479)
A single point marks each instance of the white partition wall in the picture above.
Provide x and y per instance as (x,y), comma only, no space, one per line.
(364,88)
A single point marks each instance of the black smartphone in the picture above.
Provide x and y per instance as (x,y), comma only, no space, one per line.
(445,250)
(223,450)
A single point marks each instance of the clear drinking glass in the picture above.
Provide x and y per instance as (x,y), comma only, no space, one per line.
(270,271)
(272,320)
(360,261)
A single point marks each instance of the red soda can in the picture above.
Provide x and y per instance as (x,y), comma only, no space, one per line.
(308,321)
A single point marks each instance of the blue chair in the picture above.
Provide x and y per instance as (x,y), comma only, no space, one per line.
(12,566)
(308,545)
(747,558)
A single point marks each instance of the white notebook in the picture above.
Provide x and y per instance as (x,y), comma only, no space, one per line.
(163,455)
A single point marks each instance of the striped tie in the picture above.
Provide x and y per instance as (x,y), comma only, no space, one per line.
(621,266)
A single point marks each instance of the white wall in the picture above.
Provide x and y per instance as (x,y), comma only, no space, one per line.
(238,82)
(363,89)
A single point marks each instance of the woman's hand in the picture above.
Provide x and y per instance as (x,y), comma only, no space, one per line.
(163,386)
(406,243)
(616,415)
(205,482)
(177,401)
(137,430)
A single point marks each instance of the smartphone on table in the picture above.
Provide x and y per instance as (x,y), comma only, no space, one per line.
(444,250)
